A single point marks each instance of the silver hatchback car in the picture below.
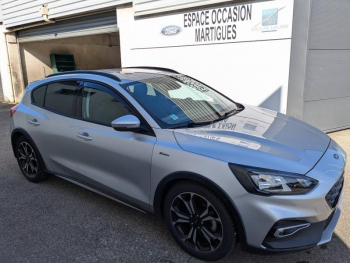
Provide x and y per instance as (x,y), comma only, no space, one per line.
(218,172)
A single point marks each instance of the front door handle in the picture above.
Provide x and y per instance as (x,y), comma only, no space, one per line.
(85,136)
(34,122)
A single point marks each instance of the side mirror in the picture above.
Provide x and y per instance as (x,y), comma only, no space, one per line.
(126,123)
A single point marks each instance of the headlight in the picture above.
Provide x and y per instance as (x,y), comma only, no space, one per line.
(271,182)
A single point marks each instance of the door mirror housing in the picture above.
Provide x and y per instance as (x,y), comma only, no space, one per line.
(126,123)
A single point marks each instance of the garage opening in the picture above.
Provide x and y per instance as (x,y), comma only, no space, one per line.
(88,43)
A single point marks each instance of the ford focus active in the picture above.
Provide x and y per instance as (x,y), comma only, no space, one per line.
(218,172)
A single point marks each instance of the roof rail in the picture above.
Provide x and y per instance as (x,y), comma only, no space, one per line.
(154,68)
(100,73)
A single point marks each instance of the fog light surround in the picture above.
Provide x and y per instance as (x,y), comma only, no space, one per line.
(289,230)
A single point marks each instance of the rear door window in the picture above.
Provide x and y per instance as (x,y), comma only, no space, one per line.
(39,96)
(60,97)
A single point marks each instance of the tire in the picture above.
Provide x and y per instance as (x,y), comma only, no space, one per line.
(29,161)
(199,221)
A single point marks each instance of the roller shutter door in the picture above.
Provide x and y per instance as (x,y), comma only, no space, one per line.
(82,26)
(327,85)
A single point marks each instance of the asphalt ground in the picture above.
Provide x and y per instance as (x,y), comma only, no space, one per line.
(57,221)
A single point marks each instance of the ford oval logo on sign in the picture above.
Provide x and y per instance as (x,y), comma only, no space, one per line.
(171,30)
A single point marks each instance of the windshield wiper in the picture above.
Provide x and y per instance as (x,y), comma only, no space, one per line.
(226,114)
(230,112)
(192,124)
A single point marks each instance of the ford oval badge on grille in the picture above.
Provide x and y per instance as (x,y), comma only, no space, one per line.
(336,156)
(171,30)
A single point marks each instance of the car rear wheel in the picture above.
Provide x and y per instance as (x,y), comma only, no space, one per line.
(199,221)
(29,162)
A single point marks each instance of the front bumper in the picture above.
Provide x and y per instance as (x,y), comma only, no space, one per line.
(262,215)
(317,233)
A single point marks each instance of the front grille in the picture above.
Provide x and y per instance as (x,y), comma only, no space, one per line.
(333,195)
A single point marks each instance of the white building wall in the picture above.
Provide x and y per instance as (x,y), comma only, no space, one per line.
(253,68)
(5,69)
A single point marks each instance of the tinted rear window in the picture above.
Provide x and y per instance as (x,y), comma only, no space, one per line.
(60,97)
(39,95)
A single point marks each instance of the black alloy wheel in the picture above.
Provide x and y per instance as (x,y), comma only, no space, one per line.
(29,161)
(196,221)
(199,221)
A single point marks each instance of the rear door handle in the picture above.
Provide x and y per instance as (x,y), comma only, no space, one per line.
(34,122)
(85,136)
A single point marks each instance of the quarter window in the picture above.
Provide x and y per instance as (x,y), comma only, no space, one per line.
(60,97)
(101,105)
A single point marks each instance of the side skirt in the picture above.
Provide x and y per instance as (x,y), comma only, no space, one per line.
(103,194)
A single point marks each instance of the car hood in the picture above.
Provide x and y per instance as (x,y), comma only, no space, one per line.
(260,138)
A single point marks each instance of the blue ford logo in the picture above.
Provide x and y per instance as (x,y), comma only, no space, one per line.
(336,156)
(171,30)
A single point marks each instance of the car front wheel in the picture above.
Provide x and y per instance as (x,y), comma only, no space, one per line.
(199,221)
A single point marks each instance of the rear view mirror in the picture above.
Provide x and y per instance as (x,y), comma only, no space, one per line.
(126,123)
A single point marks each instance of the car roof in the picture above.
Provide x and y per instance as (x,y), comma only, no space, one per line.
(124,75)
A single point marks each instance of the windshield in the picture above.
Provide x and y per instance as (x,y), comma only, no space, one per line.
(179,100)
